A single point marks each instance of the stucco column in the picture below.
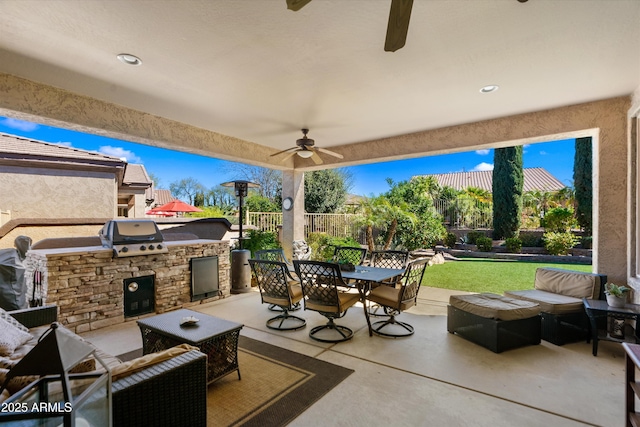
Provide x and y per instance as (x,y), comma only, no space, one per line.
(292,220)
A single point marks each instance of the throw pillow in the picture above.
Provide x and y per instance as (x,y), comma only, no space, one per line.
(16,384)
(135,365)
(9,319)
(11,337)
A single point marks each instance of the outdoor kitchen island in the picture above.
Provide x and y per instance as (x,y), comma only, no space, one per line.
(89,284)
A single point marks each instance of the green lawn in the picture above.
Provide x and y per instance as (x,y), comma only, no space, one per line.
(484,275)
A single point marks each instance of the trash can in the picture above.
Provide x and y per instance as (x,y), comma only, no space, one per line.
(240,271)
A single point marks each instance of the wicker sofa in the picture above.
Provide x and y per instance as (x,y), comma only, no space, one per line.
(168,393)
(560,293)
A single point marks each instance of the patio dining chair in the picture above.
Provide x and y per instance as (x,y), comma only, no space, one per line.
(325,291)
(277,255)
(396,300)
(387,259)
(347,254)
(277,288)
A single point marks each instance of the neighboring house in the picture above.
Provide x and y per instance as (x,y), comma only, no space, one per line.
(159,197)
(535,179)
(42,183)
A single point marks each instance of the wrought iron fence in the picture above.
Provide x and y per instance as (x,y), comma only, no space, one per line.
(467,212)
(335,225)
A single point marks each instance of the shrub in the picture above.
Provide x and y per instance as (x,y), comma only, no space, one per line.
(531,240)
(256,240)
(484,244)
(450,240)
(514,245)
(322,245)
(558,220)
(473,236)
(559,243)
(587,242)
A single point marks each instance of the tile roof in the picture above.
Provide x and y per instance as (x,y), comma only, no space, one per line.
(162,197)
(136,175)
(535,179)
(16,147)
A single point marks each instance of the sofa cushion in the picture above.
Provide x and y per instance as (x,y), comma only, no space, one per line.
(10,319)
(127,368)
(493,306)
(566,282)
(16,383)
(11,338)
(549,302)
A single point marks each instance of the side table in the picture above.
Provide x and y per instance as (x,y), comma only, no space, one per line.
(217,338)
(599,309)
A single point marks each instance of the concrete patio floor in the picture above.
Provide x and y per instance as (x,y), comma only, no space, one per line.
(433,377)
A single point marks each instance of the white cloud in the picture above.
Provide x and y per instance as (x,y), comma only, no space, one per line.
(19,124)
(483,152)
(65,144)
(120,152)
(543,153)
(483,167)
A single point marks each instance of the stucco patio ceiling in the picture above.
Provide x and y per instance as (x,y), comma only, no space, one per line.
(257,73)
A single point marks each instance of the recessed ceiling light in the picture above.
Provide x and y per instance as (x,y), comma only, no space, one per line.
(489,89)
(129,59)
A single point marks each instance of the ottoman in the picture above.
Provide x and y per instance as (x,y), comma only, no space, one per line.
(495,322)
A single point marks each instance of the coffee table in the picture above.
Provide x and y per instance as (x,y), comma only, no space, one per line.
(217,338)
(599,309)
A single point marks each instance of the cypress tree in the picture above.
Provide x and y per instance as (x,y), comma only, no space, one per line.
(582,183)
(508,179)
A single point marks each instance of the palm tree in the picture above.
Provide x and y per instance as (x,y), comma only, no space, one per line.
(391,214)
(370,217)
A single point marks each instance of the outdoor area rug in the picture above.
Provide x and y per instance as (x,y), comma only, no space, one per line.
(277,385)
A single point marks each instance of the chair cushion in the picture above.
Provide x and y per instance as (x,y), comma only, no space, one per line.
(388,296)
(565,282)
(347,299)
(549,302)
(493,306)
(135,365)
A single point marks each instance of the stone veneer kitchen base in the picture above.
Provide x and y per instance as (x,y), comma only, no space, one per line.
(86,283)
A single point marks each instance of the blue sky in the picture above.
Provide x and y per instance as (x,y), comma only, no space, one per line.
(171,166)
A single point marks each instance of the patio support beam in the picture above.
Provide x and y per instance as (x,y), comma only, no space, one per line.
(292,220)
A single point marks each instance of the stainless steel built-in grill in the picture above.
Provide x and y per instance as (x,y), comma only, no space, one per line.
(132,237)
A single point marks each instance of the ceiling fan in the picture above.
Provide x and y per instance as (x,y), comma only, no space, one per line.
(305,149)
(396,29)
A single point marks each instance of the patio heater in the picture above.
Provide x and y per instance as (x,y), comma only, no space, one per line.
(240,269)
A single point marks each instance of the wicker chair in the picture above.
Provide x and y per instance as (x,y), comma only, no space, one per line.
(396,300)
(346,254)
(326,292)
(277,255)
(387,259)
(279,289)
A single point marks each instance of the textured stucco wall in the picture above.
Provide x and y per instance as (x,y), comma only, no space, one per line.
(50,193)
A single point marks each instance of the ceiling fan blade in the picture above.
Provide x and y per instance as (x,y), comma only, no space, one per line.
(331,153)
(398,24)
(316,158)
(283,151)
(296,5)
(287,157)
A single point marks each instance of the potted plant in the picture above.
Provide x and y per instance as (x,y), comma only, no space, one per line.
(616,295)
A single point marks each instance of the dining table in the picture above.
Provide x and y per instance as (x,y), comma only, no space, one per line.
(364,276)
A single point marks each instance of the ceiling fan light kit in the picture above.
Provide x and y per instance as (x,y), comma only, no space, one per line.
(305,154)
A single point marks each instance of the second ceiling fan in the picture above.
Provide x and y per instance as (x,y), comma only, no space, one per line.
(396,29)
(305,148)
